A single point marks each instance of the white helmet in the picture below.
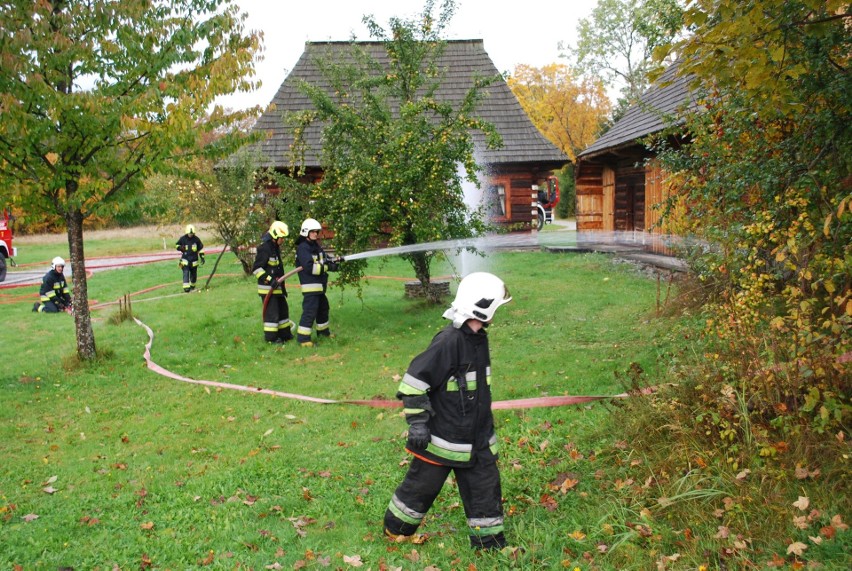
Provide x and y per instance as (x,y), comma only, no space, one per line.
(478,297)
(278,230)
(190,229)
(308,225)
(57,261)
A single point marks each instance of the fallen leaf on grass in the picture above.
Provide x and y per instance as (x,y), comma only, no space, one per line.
(800,522)
(147,525)
(743,475)
(828,532)
(548,502)
(29,517)
(796,548)
(722,533)
(837,523)
(412,556)
(577,535)
(815,540)
(49,490)
(802,503)
(277,565)
(354,561)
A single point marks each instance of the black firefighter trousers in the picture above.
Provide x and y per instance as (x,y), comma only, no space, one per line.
(479,488)
(276,319)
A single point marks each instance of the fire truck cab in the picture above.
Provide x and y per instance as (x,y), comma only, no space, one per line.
(7,250)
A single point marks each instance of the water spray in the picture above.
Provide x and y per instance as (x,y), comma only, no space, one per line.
(568,240)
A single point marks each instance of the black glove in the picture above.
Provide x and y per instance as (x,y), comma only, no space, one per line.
(418,435)
(201,256)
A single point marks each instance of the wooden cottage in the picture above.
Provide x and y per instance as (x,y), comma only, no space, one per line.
(525,159)
(618,183)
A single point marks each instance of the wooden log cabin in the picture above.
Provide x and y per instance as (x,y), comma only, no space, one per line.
(619,186)
(526,158)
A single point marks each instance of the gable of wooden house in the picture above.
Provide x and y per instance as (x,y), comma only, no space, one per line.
(619,186)
(525,159)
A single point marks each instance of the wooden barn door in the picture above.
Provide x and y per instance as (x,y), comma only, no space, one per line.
(608,199)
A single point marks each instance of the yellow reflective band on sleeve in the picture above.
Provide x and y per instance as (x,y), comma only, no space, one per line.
(311,288)
(409,411)
(412,386)
(259,272)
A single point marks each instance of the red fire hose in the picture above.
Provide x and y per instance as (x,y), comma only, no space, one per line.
(272,284)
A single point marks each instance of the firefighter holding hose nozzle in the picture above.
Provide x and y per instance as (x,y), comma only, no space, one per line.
(315,264)
(446,395)
(55,297)
(268,268)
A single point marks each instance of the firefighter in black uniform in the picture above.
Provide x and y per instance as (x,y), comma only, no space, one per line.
(54,293)
(446,395)
(315,264)
(192,253)
(269,269)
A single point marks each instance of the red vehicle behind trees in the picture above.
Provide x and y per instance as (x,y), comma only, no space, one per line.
(547,199)
(7,250)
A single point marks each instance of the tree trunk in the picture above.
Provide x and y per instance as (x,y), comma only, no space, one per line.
(82,317)
(420,263)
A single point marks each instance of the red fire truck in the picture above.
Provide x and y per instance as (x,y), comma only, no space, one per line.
(7,250)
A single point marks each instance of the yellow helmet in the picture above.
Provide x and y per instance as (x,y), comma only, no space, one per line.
(190,229)
(278,230)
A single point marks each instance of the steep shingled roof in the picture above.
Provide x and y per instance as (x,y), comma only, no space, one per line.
(463,61)
(668,98)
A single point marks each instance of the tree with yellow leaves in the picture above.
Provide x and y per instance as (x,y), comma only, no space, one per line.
(568,109)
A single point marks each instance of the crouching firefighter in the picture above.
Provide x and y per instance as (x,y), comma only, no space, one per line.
(269,270)
(192,252)
(315,264)
(54,294)
(446,395)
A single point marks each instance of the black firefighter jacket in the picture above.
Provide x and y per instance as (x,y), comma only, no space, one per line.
(54,288)
(268,266)
(315,266)
(449,386)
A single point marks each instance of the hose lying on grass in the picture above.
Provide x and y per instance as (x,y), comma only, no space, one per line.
(536,402)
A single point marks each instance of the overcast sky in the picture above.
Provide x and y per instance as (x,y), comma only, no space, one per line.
(525,32)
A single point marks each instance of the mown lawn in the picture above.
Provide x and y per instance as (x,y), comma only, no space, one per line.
(111,465)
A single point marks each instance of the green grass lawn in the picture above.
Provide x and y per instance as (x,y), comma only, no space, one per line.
(126,468)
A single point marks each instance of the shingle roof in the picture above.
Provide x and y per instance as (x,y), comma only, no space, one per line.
(669,97)
(463,60)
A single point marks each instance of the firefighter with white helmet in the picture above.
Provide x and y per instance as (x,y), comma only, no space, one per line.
(446,395)
(268,268)
(54,294)
(315,264)
(192,254)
